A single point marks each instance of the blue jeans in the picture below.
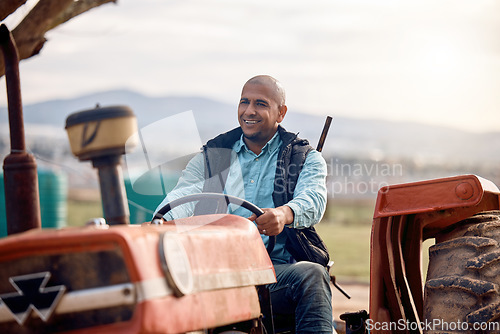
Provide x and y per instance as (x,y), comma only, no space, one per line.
(303,288)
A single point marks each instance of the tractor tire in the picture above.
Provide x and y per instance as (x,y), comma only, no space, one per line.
(462,290)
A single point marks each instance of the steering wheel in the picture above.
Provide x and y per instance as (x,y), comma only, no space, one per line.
(229,199)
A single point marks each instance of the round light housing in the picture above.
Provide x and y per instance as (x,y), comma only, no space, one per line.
(175,264)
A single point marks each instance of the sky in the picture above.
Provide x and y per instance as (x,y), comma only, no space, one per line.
(429,61)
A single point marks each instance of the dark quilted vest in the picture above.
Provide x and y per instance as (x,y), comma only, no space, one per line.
(217,153)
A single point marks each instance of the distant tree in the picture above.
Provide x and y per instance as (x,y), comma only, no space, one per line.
(45,15)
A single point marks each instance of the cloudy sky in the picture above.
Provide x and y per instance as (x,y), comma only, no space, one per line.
(431,61)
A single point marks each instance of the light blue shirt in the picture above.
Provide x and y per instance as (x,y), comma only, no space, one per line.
(251,177)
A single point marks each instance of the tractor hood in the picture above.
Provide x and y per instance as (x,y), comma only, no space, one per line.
(185,275)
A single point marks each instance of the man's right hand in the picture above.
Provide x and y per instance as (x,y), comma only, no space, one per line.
(273,220)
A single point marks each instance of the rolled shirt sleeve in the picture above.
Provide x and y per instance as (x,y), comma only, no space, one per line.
(310,194)
(190,182)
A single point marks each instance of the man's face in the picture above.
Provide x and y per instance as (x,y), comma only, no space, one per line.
(259,112)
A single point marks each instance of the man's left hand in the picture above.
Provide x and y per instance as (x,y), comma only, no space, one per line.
(273,220)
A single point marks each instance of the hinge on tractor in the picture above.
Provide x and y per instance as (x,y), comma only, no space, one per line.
(355,322)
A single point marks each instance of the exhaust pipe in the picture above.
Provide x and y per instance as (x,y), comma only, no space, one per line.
(22,204)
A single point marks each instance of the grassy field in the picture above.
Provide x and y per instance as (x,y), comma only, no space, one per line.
(80,211)
(346,230)
(349,248)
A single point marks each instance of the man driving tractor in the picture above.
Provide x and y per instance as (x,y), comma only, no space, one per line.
(264,164)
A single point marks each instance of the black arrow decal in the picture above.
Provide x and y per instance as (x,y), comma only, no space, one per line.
(32,295)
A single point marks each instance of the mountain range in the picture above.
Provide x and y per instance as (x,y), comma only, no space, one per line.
(348,137)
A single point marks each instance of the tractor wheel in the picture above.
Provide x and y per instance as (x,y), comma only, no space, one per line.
(462,291)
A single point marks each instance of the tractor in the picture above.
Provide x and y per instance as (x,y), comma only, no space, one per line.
(209,273)
(199,274)
(461,291)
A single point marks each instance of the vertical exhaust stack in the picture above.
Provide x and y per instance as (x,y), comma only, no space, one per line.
(22,202)
(100,135)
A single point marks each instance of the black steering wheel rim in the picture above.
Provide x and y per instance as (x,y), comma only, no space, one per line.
(204,196)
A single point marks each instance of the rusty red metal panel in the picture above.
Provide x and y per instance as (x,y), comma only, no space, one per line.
(431,195)
(226,255)
(404,216)
(195,312)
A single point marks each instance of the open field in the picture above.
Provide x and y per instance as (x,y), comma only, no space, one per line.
(81,211)
(346,230)
(349,247)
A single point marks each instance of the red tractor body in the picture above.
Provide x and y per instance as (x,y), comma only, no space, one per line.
(406,215)
(133,278)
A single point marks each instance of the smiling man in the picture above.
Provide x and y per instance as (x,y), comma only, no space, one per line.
(282,174)
(262,107)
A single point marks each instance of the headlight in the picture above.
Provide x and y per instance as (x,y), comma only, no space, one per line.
(175,264)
